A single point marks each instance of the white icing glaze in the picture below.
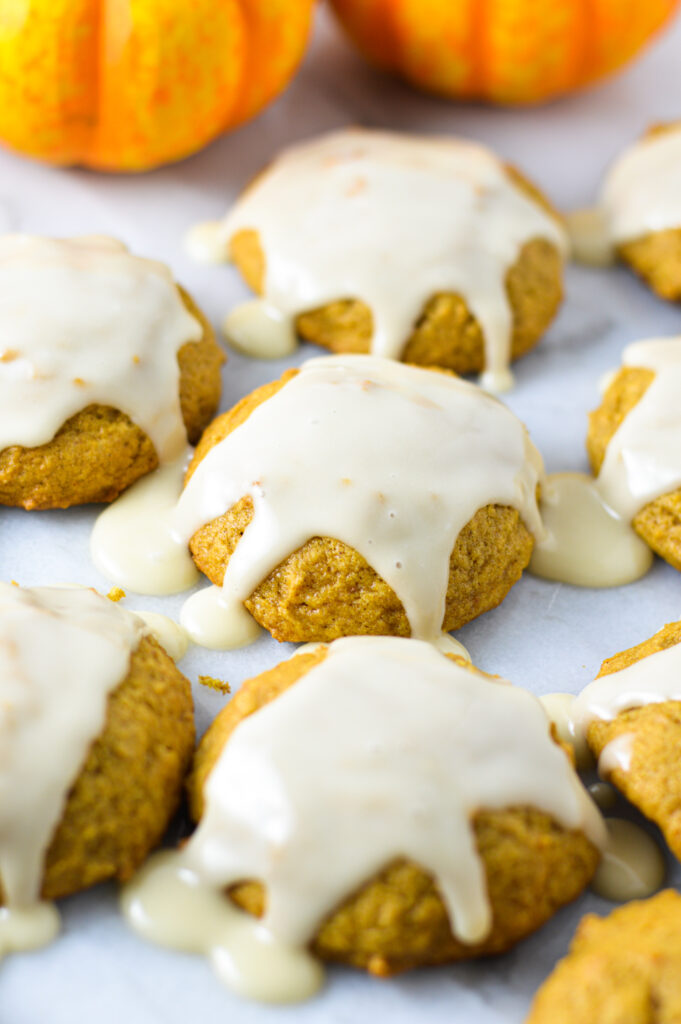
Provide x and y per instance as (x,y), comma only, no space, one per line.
(558,707)
(632,866)
(168,904)
(419,745)
(132,542)
(205,243)
(26,928)
(586,543)
(651,680)
(445,643)
(309,648)
(590,241)
(642,191)
(448,644)
(390,459)
(616,755)
(82,321)
(260,330)
(62,651)
(170,635)
(217,624)
(643,459)
(391,220)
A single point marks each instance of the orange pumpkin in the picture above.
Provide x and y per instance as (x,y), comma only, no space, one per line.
(130,84)
(508,51)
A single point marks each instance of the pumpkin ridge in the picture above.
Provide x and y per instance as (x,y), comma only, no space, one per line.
(585,57)
(238,111)
(504,51)
(478,15)
(126,85)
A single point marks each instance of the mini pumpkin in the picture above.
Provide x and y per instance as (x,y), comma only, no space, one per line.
(507,51)
(130,84)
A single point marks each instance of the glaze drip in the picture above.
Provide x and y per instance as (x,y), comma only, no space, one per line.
(586,543)
(132,541)
(632,866)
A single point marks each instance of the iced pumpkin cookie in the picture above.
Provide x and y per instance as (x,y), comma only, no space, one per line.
(603,530)
(97,731)
(377,803)
(634,444)
(641,204)
(360,495)
(631,718)
(419,248)
(621,969)
(106,369)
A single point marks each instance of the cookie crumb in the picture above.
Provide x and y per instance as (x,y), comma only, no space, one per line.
(219,685)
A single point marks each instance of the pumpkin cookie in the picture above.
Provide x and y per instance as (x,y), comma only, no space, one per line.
(107,368)
(80,678)
(419,248)
(642,205)
(458,824)
(631,718)
(634,444)
(359,495)
(622,968)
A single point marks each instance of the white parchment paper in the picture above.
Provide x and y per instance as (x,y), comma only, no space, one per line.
(545,636)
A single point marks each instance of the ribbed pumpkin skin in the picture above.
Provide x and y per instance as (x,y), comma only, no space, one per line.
(506,51)
(130,84)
